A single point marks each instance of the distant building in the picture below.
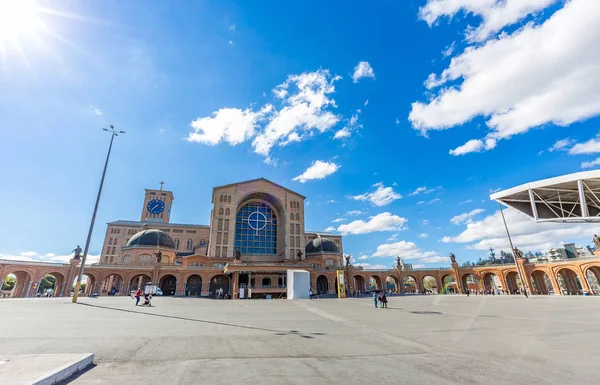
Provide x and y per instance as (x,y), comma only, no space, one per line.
(585,252)
(556,254)
(571,250)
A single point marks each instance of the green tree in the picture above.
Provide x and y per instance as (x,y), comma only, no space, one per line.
(9,283)
(49,282)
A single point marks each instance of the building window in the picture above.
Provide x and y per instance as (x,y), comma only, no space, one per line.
(176,243)
(227,212)
(221,211)
(297,217)
(291,216)
(190,244)
(218,251)
(291,228)
(219,238)
(112,259)
(266,282)
(297,241)
(225,238)
(298,228)
(106,259)
(107,249)
(226,225)
(203,242)
(190,231)
(221,198)
(127,259)
(110,241)
(329,262)
(220,224)
(225,251)
(256,229)
(229,199)
(292,241)
(177,231)
(113,250)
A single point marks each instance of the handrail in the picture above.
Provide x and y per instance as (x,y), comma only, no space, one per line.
(33,263)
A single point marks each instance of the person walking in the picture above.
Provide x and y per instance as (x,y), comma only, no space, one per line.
(375,299)
(310,293)
(138,294)
(383,300)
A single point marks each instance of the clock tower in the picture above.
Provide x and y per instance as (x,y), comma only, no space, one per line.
(157,205)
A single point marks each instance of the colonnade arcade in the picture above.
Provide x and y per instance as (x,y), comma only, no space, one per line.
(565,277)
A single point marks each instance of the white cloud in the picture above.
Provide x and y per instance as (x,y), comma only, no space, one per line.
(33,256)
(98,112)
(465,217)
(590,164)
(230,125)
(397,121)
(366,102)
(423,235)
(332,201)
(318,170)
(549,90)
(561,145)
(363,70)
(526,234)
(349,128)
(232,27)
(338,220)
(448,50)
(423,190)
(467,201)
(425,222)
(305,109)
(408,250)
(496,14)
(592,146)
(434,200)
(354,212)
(363,258)
(382,196)
(372,267)
(380,222)
(421,202)
(474,145)
(330,229)
(231,42)
(394,237)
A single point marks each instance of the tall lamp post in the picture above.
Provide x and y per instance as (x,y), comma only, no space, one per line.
(513,250)
(89,236)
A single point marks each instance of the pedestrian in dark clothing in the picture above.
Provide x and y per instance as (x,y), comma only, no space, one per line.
(384,300)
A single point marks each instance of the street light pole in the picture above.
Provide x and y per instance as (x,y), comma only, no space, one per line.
(513,249)
(89,236)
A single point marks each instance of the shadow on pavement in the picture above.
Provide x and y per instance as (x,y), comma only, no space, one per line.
(276,332)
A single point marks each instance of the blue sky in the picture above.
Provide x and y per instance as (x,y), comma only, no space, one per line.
(396,117)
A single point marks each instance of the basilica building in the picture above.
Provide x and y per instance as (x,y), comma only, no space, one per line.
(256,233)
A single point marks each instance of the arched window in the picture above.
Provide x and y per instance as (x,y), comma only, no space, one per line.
(176,243)
(221,198)
(297,217)
(291,216)
(145,259)
(229,199)
(221,211)
(127,259)
(190,244)
(266,282)
(256,229)
(227,212)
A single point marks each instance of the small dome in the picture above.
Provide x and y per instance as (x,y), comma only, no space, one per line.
(321,245)
(151,238)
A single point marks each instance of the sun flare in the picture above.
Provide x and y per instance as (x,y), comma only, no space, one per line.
(18,17)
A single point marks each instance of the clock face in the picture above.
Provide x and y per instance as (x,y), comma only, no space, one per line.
(155,206)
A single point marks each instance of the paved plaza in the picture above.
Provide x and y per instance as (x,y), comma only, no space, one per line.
(441,339)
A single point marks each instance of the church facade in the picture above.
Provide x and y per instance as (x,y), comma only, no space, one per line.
(256,233)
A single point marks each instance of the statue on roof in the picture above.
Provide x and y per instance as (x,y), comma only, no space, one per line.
(452,258)
(518,253)
(158,256)
(299,255)
(238,254)
(596,241)
(348,259)
(77,252)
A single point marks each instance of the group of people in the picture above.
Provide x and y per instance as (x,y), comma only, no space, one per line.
(494,292)
(147,298)
(380,297)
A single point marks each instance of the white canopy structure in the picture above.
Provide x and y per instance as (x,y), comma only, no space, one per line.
(568,198)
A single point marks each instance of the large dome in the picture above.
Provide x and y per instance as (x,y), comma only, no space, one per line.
(151,238)
(321,245)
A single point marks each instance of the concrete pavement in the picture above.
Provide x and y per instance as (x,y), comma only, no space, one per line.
(447,339)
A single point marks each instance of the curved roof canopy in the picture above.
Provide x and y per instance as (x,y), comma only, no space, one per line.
(567,198)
